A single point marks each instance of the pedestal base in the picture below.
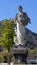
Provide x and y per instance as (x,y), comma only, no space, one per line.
(20,58)
(20,55)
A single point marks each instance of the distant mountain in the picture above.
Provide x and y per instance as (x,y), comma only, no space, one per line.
(31,38)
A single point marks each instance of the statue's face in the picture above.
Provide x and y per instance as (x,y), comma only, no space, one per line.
(20,9)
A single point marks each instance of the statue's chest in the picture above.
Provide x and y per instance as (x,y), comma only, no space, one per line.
(21,17)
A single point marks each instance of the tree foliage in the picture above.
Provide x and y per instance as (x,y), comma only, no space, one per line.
(7,32)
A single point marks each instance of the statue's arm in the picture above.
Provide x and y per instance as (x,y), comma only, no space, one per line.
(16,18)
(27,18)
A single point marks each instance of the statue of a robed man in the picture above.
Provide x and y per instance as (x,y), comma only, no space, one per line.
(21,21)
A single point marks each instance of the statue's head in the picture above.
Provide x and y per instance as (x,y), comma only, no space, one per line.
(20,8)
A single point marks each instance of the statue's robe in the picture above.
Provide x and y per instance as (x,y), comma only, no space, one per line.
(21,21)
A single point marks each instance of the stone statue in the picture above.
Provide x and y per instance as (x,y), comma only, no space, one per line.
(23,39)
(21,21)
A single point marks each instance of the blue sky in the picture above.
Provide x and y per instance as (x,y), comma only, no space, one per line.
(8,9)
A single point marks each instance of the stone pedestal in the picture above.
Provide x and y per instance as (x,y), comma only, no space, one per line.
(20,55)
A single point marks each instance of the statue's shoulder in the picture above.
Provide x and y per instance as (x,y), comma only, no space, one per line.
(26,16)
(16,14)
(24,13)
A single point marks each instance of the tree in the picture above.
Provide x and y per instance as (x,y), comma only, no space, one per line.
(7,38)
